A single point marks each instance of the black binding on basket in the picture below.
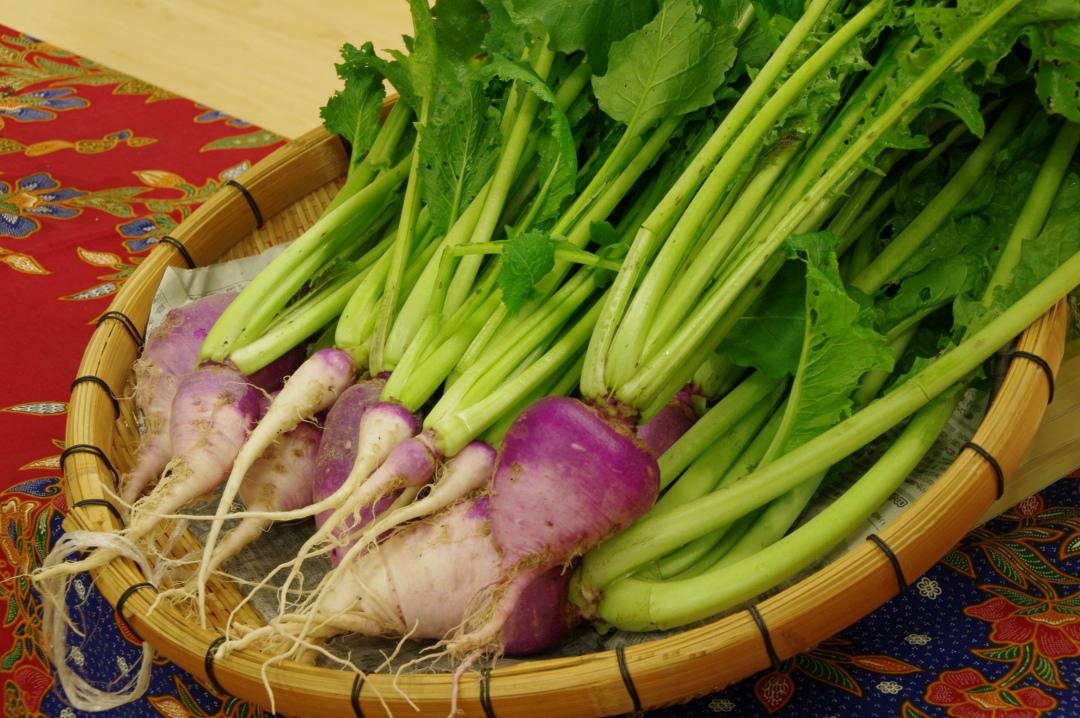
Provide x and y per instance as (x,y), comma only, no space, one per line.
(179,247)
(901,580)
(624,671)
(354,695)
(208,665)
(485,692)
(89,449)
(250,200)
(126,322)
(104,503)
(765,637)
(999,475)
(1042,363)
(91,379)
(128,592)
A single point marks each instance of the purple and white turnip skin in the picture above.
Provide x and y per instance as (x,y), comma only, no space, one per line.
(340,443)
(170,354)
(281,480)
(670,423)
(465,474)
(566,479)
(373,477)
(214,410)
(424,581)
(313,388)
(272,376)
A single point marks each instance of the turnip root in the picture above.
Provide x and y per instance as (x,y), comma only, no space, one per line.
(423,582)
(213,411)
(273,376)
(337,452)
(313,388)
(566,479)
(410,464)
(464,474)
(282,479)
(170,354)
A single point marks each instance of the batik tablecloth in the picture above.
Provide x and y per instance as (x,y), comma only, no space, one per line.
(94,165)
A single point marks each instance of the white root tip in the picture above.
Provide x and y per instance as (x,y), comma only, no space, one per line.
(53,583)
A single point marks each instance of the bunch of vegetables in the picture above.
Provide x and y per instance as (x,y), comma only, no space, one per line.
(748,238)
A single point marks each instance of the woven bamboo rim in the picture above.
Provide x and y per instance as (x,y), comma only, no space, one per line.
(290,188)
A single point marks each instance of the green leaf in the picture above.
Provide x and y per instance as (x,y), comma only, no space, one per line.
(671,66)
(589,25)
(353,112)
(1058,240)
(557,150)
(1046,671)
(934,286)
(840,345)
(526,258)
(828,673)
(1016,597)
(959,561)
(12,657)
(557,165)
(460,26)
(602,234)
(1001,561)
(1071,547)
(459,145)
(1004,655)
(1057,82)
(769,335)
(953,94)
(1036,565)
(504,36)
(413,75)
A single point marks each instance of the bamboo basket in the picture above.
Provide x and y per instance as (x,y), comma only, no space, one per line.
(290,188)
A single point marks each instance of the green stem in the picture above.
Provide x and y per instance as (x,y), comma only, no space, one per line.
(379,156)
(659,221)
(461,426)
(1037,206)
(487,374)
(715,423)
(720,244)
(630,343)
(399,255)
(649,539)
(729,536)
(730,457)
(564,251)
(885,265)
(501,183)
(655,374)
(639,605)
(255,307)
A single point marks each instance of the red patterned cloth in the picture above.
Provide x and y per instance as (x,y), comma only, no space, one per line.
(94,165)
